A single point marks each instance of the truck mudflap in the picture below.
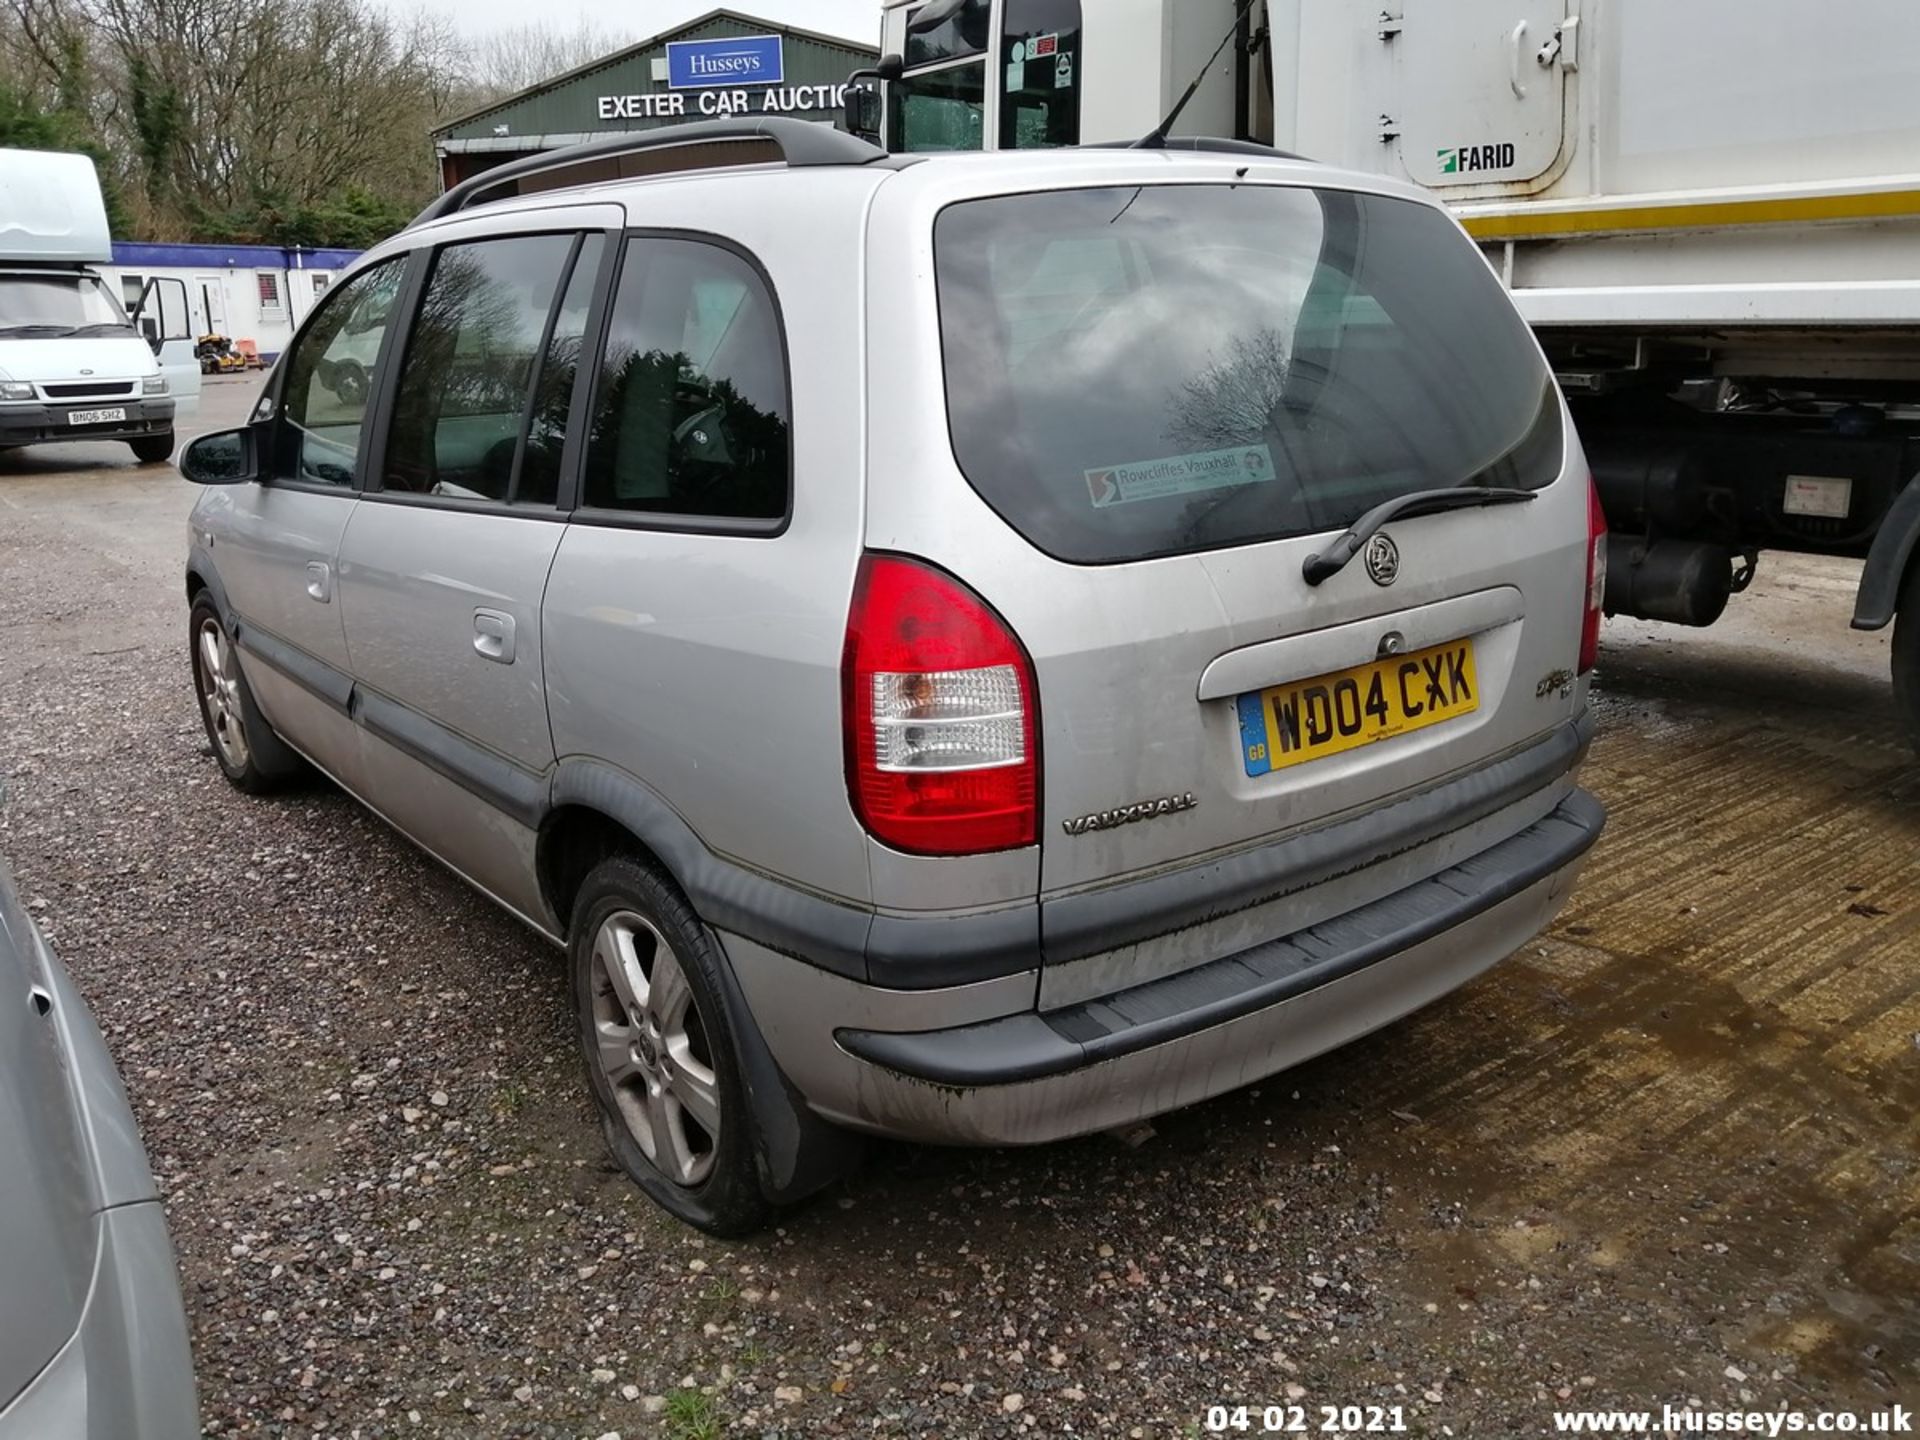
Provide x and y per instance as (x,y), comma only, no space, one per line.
(1888,561)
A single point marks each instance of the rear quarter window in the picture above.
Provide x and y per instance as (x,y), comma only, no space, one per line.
(1150,370)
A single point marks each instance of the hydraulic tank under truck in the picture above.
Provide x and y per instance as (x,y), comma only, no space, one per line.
(1710,214)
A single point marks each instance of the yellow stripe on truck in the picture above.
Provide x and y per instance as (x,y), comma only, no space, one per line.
(1692,215)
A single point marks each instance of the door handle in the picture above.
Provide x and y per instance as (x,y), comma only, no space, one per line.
(320,581)
(493,636)
(1519,44)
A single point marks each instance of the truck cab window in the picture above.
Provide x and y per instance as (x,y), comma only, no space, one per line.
(941,102)
(1040,66)
(940,110)
(948,30)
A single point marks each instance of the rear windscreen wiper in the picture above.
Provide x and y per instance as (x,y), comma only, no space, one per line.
(1332,560)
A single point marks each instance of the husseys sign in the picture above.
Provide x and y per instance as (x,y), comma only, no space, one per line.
(739,75)
(737,60)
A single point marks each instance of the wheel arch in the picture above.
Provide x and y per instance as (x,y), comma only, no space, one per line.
(572,839)
(598,811)
(202,578)
(594,811)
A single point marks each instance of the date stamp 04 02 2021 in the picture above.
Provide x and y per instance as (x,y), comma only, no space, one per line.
(1306,1420)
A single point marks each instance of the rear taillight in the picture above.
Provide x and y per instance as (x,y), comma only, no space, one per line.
(1596,579)
(941,715)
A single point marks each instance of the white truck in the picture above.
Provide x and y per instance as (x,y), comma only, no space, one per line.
(1709,212)
(73,365)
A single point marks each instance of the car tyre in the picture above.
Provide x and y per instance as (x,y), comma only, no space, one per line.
(1906,656)
(659,1047)
(249,753)
(152,449)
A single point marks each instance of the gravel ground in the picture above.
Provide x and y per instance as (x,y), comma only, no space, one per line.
(1619,1170)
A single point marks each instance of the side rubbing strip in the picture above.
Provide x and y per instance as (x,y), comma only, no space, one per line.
(331,685)
(506,786)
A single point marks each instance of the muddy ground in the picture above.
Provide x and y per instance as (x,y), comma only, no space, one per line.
(1668,1152)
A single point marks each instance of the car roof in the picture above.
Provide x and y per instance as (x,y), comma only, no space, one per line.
(812,149)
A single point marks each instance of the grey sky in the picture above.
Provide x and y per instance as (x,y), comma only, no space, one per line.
(856,19)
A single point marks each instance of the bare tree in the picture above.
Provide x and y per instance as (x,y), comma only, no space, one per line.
(510,60)
(263,118)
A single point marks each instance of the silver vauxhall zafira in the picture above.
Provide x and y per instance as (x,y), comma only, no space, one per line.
(979,649)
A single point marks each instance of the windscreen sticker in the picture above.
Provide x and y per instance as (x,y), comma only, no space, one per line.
(1179,475)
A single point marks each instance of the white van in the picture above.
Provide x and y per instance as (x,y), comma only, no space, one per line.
(73,366)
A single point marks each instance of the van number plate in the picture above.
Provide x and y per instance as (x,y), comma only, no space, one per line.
(1291,724)
(96,417)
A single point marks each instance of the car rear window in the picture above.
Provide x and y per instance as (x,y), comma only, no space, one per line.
(1153,370)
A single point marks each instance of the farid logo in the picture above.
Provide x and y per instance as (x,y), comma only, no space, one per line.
(1466,158)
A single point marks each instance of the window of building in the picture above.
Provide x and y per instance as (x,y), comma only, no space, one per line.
(321,279)
(468,372)
(330,372)
(691,412)
(269,282)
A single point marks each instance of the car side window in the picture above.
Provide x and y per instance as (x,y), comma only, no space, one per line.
(468,373)
(691,416)
(329,384)
(539,480)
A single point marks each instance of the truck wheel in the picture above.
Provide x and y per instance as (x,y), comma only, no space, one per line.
(152,449)
(1906,657)
(659,1047)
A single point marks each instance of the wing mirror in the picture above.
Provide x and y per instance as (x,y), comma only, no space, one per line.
(223,458)
(864,112)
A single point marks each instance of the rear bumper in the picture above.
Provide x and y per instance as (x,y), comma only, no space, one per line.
(40,423)
(1039,1076)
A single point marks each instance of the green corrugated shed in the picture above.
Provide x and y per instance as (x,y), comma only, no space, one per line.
(610,95)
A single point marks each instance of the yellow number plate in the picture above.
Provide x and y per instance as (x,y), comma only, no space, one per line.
(1290,724)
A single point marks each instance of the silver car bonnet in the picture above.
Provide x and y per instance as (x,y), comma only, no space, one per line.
(47,1229)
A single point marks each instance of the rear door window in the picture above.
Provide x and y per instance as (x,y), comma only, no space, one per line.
(470,360)
(1152,370)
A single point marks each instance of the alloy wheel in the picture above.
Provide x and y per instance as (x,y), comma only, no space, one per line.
(220,693)
(652,1048)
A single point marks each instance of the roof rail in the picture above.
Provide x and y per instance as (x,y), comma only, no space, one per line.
(1212,143)
(800,142)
